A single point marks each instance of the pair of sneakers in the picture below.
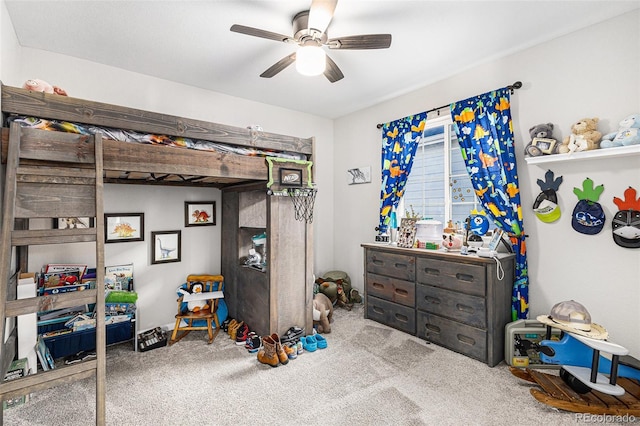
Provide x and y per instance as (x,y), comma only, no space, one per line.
(242,334)
(292,335)
(253,343)
(312,342)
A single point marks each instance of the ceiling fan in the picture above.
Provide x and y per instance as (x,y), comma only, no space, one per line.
(310,34)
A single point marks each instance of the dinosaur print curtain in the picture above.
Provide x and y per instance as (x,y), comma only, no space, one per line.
(399,144)
(485,133)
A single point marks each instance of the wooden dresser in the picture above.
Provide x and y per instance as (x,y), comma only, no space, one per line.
(461,302)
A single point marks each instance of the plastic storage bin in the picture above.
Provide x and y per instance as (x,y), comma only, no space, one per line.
(85,340)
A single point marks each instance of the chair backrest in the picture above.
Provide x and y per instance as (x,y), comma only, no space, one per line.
(210,282)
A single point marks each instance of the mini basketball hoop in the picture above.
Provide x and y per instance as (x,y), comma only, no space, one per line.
(303,201)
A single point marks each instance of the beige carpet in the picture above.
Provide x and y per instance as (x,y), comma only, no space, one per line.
(370,374)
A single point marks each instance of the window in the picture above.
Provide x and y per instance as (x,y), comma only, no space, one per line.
(439,186)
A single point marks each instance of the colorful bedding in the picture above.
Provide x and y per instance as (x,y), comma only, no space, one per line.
(145,138)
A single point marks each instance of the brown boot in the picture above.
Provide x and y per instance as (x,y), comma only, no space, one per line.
(267,355)
(282,355)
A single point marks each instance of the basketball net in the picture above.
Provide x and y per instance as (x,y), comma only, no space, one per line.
(303,201)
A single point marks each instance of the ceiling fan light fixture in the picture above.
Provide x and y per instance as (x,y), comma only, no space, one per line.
(311,60)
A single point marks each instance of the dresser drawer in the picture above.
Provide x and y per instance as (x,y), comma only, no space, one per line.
(460,307)
(397,316)
(392,265)
(392,289)
(464,277)
(458,337)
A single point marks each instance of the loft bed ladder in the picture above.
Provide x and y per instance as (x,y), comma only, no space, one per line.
(63,178)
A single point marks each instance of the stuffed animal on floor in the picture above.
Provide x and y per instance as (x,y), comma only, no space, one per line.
(336,285)
(322,313)
(37,85)
(197,305)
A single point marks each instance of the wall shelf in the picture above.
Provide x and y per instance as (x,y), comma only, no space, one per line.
(585,155)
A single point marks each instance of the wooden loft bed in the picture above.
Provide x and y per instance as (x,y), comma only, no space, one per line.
(153,164)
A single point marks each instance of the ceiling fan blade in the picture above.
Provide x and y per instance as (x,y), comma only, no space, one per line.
(279,66)
(256,32)
(321,14)
(332,72)
(364,41)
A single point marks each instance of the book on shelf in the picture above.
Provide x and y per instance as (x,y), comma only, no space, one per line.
(119,277)
(44,355)
(61,313)
(57,279)
(17,369)
(68,288)
(64,267)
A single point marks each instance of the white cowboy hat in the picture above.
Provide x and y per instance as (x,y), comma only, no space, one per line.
(573,317)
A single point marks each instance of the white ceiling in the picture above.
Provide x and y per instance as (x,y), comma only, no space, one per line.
(189,41)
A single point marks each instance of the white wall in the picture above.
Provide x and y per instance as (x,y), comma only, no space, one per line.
(164,206)
(589,73)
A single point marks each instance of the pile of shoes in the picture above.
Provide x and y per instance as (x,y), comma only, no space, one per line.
(274,353)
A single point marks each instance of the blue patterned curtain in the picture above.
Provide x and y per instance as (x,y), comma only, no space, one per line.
(399,143)
(485,133)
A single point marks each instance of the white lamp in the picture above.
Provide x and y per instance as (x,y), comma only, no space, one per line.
(311,60)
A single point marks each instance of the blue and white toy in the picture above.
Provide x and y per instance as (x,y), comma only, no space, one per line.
(628,134)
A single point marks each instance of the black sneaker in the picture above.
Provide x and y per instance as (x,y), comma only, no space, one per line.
(242,334)
(254,343)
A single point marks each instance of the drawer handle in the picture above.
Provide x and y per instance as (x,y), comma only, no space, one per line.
(377,261)
(464,277)
(465,308)
(378,310)
(466,340)
(433,300)
(402,318)
(377,285)
(429,271)
(401,265)
(401,291)
(432,328)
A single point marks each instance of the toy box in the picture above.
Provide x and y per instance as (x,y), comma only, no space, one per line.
(521,343)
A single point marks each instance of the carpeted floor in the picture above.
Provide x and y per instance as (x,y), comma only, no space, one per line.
(370,374)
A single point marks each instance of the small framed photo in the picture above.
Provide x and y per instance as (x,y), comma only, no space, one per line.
(73,222)
(165,247)
(199,213)
(545,145)
(290,177)
(123,227)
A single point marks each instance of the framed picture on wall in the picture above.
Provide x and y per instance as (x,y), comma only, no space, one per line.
(73,222)
(123,227)
(165,247)
(199,213)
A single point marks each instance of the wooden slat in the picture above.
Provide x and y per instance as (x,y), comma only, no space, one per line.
(48,379)
(59,147)
(41,173)
(24,102)
(54,200)
(161,159)
(52,236)
(51,302)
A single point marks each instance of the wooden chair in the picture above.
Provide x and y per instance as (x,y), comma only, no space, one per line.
(203,319)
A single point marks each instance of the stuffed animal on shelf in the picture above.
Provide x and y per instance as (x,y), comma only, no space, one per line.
(542,141)
(37,85)
(322,313)
(584,137)
(197,305)
(451,242)
(627,134)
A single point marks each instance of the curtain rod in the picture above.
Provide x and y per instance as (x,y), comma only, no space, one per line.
(512,87)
